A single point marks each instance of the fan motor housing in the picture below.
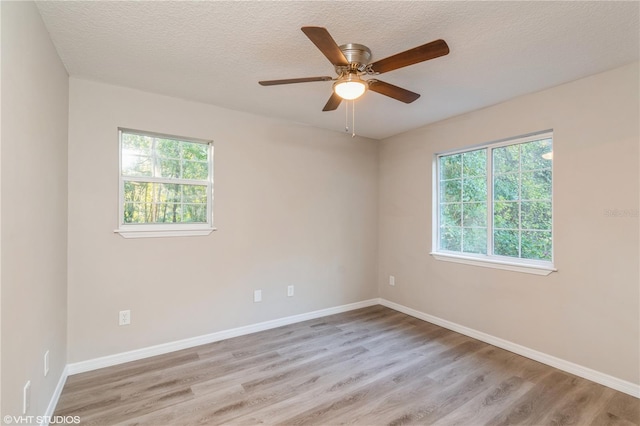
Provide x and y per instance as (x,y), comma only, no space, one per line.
(358,55)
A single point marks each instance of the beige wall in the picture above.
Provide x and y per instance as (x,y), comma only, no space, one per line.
(34,209)
(588,311)
(293,205)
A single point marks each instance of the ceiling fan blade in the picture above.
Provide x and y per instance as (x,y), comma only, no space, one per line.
(293,80)
(327,45)
(416,55)
(395,92)
(333,103)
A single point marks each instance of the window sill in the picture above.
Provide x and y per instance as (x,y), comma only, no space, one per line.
(163,233)
(495,264)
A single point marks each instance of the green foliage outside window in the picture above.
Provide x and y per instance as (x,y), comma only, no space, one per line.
(521,204)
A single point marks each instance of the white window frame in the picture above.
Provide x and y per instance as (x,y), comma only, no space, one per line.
(530,266)
(144,230)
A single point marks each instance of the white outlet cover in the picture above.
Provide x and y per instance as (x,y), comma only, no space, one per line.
(290,291)
(257,296)
(392,280)
(124,317)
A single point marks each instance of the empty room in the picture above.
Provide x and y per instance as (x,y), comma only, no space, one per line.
(320,212)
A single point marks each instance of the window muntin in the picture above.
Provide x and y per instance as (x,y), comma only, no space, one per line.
(166,182)
(495,202)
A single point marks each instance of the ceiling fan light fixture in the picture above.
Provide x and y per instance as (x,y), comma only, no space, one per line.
(350,87)
(351,61)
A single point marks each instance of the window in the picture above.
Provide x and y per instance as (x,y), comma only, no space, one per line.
(166,185)
(494,205)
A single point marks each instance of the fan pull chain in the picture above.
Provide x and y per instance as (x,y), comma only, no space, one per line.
(346,117)
(353,118)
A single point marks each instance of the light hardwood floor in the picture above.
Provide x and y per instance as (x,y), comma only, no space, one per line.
(372,366)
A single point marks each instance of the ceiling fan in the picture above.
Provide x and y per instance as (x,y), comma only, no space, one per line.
(351,62)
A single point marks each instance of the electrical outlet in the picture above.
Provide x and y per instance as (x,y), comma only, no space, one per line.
(392,280)
(290,291)
(26,397)
(124,317)
(257,296)
(46,363)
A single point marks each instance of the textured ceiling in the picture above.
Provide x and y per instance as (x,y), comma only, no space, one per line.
(216,51)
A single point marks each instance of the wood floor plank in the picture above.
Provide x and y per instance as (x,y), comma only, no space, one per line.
(536,403)
(487,404)
(370,366)
(625,407)
(578,406)
(607,419)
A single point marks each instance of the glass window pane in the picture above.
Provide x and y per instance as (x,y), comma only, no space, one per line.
(536,245)
(195,170)
(506,215)
(195,151)
(136,144)
(138,191)
(474,240)
(451,191)
(532,155)
(451,167)
(169,168)
(475,163)
(505,187)
(169,192)
(195,213)
(167,213)
(137,212)
(536,215)
(536,185)
(136,165)
(506,243)
(450,214)
(506,159)
(151,192)
(474,214)
(194,194)
(167,148)
(450,238)
(129,210)
(474,189)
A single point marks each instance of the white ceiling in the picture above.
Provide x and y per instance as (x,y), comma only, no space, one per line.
(216,51)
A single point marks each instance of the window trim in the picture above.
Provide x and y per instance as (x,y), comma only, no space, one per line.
(164,230)
(530,266)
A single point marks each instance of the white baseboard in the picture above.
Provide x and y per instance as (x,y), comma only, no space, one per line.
(121,358)
(561,364)
(51,408)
